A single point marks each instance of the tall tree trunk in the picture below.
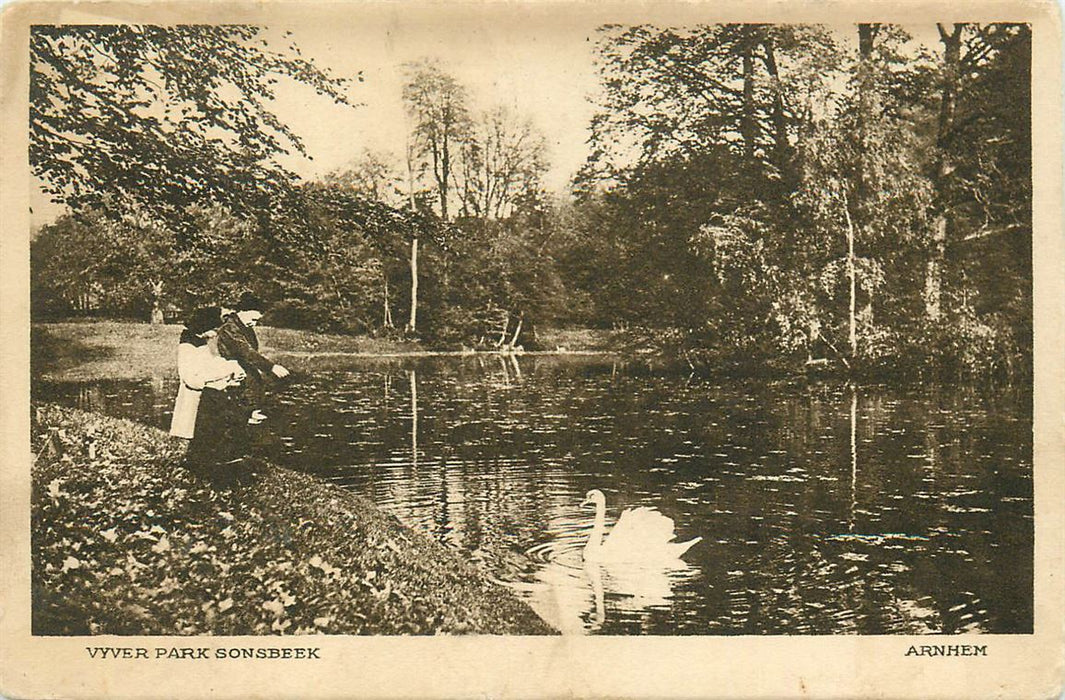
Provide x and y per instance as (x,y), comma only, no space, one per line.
(867,87)
(503,329)
(781,144)
(851,278)
(387,322)
(412,325)
(749,124)
(445,165)
(410,173)
(942,225)
(517,332)
(866,107)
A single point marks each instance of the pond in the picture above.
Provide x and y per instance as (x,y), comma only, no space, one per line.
(823,508)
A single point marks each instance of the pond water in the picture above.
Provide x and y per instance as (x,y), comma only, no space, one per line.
(823,508)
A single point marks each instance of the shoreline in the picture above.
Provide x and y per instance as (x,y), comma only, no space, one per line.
(447,353)
(128,541)
(89,350)
(80,351)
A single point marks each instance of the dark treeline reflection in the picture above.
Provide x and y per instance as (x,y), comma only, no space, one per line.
(824,508)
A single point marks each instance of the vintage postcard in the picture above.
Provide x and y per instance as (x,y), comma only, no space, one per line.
(532,349)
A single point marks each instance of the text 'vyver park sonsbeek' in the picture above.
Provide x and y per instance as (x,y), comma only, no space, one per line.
(203,653)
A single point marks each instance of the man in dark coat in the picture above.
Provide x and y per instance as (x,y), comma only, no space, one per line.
(222,437)
(237,341)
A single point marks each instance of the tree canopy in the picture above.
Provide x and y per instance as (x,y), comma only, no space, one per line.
(755,195)
(164,117)
(773,194)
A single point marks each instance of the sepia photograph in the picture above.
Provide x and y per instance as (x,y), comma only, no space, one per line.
(770,285)
(494,320)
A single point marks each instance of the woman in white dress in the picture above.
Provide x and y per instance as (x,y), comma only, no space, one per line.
(200,367)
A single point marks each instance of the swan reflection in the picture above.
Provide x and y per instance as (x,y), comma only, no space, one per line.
(578,597)
(587,578)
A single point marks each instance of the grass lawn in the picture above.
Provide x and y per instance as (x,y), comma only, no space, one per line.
(580,339)
(123,350)
(86,350)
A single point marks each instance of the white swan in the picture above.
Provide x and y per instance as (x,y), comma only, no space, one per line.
(641,535)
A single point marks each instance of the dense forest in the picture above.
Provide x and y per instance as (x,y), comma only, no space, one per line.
(755,196)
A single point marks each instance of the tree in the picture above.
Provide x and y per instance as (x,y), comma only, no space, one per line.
(696,135)
(988,147)
(67,273)
(387,229)
(502,165)
(674,93)
(864,189)
(164,117)
(867,111)
(124,261)
(988,196)
(436,105)
(504,282)
(336,275)
(373,176)
(951,73)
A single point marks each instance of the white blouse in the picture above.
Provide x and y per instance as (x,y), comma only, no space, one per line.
(200,366)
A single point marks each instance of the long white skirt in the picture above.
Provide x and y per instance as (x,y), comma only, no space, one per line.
(186,406)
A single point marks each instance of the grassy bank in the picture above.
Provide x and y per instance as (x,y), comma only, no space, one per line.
(124,350)
(85,350)
(126,541)
(580,339)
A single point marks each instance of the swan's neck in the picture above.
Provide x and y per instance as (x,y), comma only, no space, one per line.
(595,539)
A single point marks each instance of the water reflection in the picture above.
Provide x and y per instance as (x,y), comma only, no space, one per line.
(413,375)
(825,509)
(572,596)
(854,457)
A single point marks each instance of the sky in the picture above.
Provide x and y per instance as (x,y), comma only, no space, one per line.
(530,57)
(533,63)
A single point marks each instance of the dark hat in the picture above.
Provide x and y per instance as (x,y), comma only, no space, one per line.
(250,302)
(204,319)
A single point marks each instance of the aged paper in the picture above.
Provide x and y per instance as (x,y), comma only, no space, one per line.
(1028,665)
